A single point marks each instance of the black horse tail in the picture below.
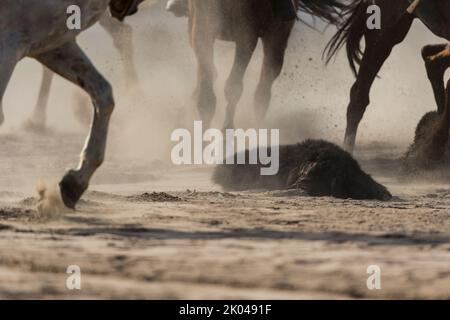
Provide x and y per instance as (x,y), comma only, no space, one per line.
(350,33)
(331,11)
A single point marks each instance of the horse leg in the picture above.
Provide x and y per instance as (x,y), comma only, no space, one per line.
(439,139)
(8,61)
(436,68)
(39,117)
(122,36)
(235,82)
(70,62)
(377,51)
(275,44)
(203,45)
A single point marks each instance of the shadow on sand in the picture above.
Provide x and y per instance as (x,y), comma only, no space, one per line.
(137,231)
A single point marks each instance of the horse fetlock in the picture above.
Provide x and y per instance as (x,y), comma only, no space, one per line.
(103,96)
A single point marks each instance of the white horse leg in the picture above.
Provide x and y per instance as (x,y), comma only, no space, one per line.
(70,62)
(39,118)
(122,35)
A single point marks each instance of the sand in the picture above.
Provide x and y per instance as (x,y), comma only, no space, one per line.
(173,234)
(147,229)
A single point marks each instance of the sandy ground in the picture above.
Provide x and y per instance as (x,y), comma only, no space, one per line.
(132,240)
(194,241)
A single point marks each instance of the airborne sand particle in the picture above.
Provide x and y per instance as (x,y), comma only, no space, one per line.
(50,204)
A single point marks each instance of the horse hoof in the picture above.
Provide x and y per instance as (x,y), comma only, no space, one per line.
(71,190)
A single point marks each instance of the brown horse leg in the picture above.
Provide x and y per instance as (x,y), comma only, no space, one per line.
(374,57)
(234,85)
(436,149)
(376,53)
(275,44)
(436,68)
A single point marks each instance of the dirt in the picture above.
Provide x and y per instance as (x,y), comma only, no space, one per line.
(154,196)
(147,229)
(180,236)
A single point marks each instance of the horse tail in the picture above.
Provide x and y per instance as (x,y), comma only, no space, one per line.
(349,33)
(328,10)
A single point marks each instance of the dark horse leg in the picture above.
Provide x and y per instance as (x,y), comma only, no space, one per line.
(285,9)
(436,65)
(379,45)
(275,43)
(439,139)
(8,59)
(235,85)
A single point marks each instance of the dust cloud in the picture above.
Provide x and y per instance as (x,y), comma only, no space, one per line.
(50,204)
(309,99)
(135,231)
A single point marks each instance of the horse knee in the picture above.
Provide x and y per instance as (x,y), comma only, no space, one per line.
(359,99)
(104,98)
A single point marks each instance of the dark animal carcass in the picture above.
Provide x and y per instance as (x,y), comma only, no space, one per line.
(318,167)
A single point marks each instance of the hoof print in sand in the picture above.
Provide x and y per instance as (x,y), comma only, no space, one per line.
(317,167)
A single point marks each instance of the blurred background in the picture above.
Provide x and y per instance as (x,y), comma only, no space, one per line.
(310,99)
